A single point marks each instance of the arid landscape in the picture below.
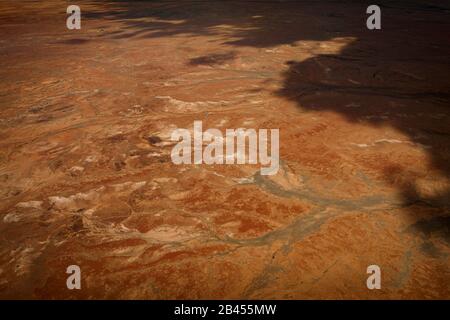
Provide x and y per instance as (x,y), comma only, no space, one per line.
(86,176)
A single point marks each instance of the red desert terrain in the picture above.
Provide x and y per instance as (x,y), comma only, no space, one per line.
(86,176)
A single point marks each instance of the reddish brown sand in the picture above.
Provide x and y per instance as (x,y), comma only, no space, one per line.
(86,175)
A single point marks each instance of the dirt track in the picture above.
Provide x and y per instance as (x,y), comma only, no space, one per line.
(86,176)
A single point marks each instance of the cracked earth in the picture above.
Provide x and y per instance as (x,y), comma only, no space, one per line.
(86,176)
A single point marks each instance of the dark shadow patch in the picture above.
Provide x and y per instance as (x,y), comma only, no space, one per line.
(213,59)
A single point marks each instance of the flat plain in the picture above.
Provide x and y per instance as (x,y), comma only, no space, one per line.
(86,176)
